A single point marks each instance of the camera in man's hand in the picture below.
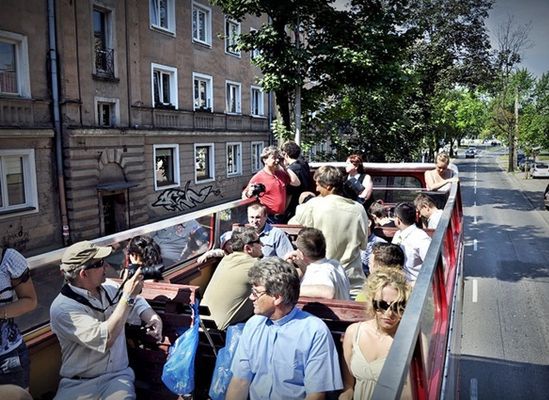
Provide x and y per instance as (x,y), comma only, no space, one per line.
(152,272)
(257,189)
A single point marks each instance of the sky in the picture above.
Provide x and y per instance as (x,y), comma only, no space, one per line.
(536,12)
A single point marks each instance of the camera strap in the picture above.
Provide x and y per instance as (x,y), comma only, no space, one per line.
(71,294)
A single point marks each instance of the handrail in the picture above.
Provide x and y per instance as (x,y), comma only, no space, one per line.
(396,367)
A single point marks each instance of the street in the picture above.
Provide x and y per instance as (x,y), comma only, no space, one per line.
(505,343)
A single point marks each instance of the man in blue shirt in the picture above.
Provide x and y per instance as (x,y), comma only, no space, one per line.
(284,352)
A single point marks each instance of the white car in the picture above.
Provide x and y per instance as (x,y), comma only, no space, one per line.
(539,170)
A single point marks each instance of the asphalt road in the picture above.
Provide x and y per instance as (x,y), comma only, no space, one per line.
(505,341)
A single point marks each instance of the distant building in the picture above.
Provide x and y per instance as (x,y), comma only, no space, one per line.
(159,114)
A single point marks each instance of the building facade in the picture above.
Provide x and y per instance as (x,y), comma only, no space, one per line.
(156,113)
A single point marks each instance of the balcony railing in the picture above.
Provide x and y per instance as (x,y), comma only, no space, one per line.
(104,63)
(25,113)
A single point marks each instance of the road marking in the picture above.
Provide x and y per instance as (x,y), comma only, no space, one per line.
(474,389)
(475,242)
(475,204)
(475,220)
(475,290)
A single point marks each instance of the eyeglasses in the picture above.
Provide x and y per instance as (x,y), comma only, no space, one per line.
(382,306)
(257,294)
(97,264)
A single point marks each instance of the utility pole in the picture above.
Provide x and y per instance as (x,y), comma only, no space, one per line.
(297,106)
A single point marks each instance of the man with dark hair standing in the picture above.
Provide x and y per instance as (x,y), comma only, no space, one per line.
(297,164)
(284,352)
(414,241)
(343,222)
(88,317)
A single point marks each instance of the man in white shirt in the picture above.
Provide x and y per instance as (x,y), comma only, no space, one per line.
(428,210)
(320,276)
(414,241)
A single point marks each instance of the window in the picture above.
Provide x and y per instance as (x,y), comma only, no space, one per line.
(162,13)
(104,54)
(257,148)
(234,159)
(202,24)
(258,109)
(166,166)
(14,64)
(202,92)
(204,162)
(17,180)
(106,111)
(232,30)
(255,52)
(233,98)
(164,86)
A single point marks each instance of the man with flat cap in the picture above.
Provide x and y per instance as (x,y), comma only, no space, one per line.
(88,317)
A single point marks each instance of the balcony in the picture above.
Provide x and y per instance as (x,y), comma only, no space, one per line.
(104,63)
(24,113)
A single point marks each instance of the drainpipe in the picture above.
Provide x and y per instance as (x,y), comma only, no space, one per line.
(57,120)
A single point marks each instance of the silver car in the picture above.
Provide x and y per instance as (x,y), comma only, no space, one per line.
(539,170)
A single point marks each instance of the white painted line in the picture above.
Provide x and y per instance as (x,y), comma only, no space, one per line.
(475,290)
(475,204)
(475,242)
(475,188)
(474,389)
(475,220)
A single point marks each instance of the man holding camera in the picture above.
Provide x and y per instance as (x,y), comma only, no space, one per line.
(88,317)
(275,177)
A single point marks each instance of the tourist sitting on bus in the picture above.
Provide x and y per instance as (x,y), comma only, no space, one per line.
(380,215)
(143,251)
(428,211)
(386,255)
(182,241)
(17,297)
(320,276)
(414,241)
(284,352)
(441,177)
(88,317)
(366,344)
(295,162)
(274,240)
(228,290)
(372,239)
(359,184)
(342,221)
(274,177)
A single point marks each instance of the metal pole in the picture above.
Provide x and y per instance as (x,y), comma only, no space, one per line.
(297,107)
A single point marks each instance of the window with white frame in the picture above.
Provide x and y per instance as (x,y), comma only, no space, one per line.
(162,14)
(232,31)
(202,92)
(257,149)
(166,165)
(107,111)
(14,64)
(17,180)
(234,159)
(202,24)
(164,86)
(257,102)
(233,96)
(102,43)
(204,162)
(255,52)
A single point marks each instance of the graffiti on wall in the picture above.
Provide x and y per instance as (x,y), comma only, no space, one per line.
(183,199)
(16,240)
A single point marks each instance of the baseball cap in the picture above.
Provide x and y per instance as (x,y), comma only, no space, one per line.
(80,253)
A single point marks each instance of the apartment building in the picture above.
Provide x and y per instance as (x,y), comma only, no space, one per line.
(158,114)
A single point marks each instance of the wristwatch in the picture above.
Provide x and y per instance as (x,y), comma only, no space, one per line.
(130,301)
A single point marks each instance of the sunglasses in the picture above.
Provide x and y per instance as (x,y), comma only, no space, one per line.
(97,264)
(382,306)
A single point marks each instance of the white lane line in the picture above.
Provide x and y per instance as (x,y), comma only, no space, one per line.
(474,389)
(475,220)
(475,291)
(475,242)
(475,204)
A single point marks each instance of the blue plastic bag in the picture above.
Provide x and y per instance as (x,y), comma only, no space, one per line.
(222,372)
(178,372)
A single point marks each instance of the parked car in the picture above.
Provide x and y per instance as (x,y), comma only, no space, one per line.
(539,170)
(525,161)
(546,198)
(471,152)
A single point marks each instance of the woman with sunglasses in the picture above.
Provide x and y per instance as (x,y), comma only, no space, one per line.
(366,344)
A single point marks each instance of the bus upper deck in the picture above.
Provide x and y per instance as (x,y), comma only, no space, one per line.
(421,358)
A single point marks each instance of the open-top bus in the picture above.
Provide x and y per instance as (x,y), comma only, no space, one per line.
(422,362)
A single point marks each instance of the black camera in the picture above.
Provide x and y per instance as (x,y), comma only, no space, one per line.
(257,189)
(152,272)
